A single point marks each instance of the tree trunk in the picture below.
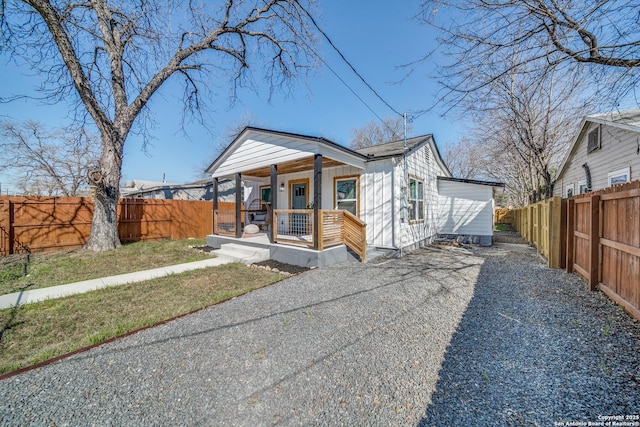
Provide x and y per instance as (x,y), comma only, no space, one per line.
(104,226)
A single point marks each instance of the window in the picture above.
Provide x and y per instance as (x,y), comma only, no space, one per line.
(620,176)
(593,142)
(265,194)
(568,191)
(582,187)
(346,192)
(416,199)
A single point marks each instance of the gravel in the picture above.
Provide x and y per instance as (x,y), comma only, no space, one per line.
(443,336)
(536,349)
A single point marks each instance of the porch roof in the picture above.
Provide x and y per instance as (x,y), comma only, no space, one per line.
(254,151)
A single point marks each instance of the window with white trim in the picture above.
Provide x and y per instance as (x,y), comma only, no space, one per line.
(568,191)
(346,192)
(582,187)
(416,199)
(619,177)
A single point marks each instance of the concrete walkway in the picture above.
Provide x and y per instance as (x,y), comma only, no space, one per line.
(52,292)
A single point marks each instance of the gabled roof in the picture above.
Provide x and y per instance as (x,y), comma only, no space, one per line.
(323,145)
(393,148)
(305,145)
(626,119)
(397,148)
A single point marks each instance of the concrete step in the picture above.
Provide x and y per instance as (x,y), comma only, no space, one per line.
(373,252)
(241,253)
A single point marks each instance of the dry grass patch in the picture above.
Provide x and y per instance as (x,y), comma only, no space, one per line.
(59,268)
(36,332)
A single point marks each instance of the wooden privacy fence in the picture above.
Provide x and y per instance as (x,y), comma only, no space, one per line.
(603,242)
(37,224)
(503,216)
(598,235)
(542,225)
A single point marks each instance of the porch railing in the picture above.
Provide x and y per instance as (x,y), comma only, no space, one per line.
(354,234)
(224,222)
(337,227)
(295,226)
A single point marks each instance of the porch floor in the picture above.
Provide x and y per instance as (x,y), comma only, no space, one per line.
(289,253)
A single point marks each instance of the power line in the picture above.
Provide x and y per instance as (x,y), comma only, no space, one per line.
(346,62)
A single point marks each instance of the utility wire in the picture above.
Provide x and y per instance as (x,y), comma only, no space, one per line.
(347,62)
(335,73)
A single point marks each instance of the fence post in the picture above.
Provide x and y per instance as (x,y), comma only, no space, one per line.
(562,229)
(5,223)
(555,218)
(571,206)
(11,231)
(594,243)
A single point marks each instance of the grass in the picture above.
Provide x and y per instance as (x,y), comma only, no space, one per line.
(58,268)
(37,332)
(503,227)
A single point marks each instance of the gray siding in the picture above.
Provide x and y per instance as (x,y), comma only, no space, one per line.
(618,150)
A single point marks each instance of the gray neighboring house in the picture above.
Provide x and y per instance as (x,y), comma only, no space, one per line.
(605,152)
(197,190)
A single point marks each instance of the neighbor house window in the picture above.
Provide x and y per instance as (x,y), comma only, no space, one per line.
(593,142)
(416,199)
(346,192)
(568,191)
(582,187)
(619,177)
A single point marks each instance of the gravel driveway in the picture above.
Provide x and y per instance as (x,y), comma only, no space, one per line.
(444,336)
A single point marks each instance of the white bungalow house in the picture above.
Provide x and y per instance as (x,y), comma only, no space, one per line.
(309,191)
(605,152)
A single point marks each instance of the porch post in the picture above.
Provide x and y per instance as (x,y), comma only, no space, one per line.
(274,202)
(317,199)
(215,203)
(238,205)
(274,187)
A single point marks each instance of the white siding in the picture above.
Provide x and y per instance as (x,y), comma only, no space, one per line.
(257,150)
(465,209)
(619,149)
(421,164)
(377,203)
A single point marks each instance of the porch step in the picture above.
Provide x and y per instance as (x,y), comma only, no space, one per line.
(373,253)
(241,253)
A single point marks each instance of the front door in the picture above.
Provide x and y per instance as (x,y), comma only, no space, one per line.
(299,198)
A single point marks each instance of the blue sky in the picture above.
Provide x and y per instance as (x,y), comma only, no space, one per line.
(376,36)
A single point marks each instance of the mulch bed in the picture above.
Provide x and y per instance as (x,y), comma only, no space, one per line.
(281,266)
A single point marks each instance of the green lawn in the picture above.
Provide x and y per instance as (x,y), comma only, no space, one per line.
(36,332)
(59,268)
(503,227)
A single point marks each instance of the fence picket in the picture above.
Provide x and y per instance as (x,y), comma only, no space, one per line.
(54,223)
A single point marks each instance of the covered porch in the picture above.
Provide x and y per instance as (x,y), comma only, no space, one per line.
(300,191)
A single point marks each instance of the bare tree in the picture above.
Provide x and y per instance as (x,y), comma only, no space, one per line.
(601,37)
(223,141)
(42,162)
(112,57)
(465,158)
(376,132)
(523,127)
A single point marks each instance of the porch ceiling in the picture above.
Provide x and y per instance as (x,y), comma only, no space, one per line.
(299,165)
